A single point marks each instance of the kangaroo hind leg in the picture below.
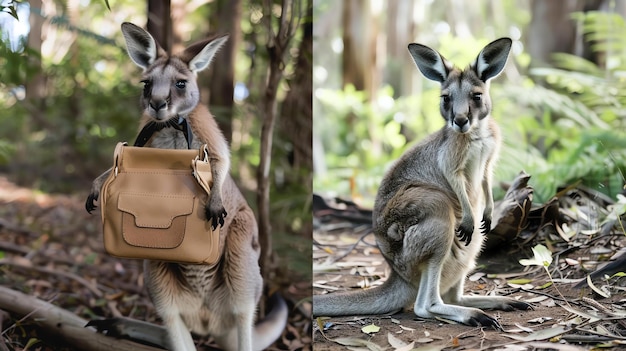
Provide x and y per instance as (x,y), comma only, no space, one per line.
(429,303)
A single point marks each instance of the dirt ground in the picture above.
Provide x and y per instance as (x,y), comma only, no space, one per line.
(345,257)
(52,249)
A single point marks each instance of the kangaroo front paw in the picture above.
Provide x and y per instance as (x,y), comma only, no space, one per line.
(89,204)
(215,215)
(486,225)
(465,231)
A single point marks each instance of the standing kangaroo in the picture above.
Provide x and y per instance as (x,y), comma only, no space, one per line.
(426,208)
(218,299)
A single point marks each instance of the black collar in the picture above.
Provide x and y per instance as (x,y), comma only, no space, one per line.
(151,127)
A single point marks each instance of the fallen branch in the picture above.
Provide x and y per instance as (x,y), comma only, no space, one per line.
(62,323)
(84,282)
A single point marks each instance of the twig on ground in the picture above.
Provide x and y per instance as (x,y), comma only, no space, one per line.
(558,298)
(352,247)
(91,287)
(63,323)
(11,247)
(575,338)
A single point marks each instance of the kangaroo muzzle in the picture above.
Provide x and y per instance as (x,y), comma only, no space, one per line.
(461,124)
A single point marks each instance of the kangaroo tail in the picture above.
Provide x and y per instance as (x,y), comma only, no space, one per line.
(270,328)
(394,294)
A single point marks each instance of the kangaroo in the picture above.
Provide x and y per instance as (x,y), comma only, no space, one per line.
(425,211)
(218,299)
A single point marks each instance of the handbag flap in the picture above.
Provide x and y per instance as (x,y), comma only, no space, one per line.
(155,210)
(152,158)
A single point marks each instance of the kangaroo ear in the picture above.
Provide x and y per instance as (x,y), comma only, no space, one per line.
(199,55)
(492,59)
(141,46)
(432,65)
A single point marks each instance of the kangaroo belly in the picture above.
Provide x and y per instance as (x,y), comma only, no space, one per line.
(183,289)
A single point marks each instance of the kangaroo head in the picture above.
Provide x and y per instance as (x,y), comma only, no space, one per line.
(464,93)
(170,86)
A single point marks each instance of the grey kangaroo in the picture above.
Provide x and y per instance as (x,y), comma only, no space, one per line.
(219,299)
(425,212)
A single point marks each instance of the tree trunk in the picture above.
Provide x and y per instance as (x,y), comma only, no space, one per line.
(160,23)
(551,29)
(399,35)
(222,81)
(178,15)
(296,115)
(359,46)
(36,86)
(277,46)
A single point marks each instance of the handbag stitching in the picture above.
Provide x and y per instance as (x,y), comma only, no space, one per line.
(129,241)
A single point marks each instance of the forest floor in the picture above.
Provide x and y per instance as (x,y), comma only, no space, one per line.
(563,317)
(50,248)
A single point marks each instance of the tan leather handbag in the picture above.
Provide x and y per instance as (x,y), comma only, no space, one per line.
(153,205)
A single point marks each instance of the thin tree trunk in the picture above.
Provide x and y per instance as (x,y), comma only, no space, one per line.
(551,29)
(296,115)
(178,15)
(222,82)
(277,47)
(359,46)
(160,23)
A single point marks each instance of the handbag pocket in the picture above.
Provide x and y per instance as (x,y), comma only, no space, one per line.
(154,220)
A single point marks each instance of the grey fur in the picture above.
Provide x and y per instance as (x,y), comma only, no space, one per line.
(426,208)
(221,299)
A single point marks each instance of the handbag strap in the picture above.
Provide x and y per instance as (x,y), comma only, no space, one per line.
(151,127)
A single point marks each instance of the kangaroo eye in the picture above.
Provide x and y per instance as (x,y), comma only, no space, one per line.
(146,83)
(445,98)
(477,97)
(181,84)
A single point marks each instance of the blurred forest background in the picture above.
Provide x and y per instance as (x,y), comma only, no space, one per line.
(561,101)
(69,93)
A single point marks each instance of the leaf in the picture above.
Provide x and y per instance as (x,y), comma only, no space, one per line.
(406,328)
(546,285)
(542,257)
(357,342)
(592,318)
(320,323)
(539,320)
(424,340)
(520,281)
(526,329)
(596,289)
(544,334)
(31,342)
(369,329)
(398,344)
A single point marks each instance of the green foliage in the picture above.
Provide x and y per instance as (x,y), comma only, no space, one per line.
(570,128)
(574,128)
(365,137)
(605,32)
(89,105)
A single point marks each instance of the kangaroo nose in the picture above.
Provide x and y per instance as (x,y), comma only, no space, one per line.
(158,104)
(461,121)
